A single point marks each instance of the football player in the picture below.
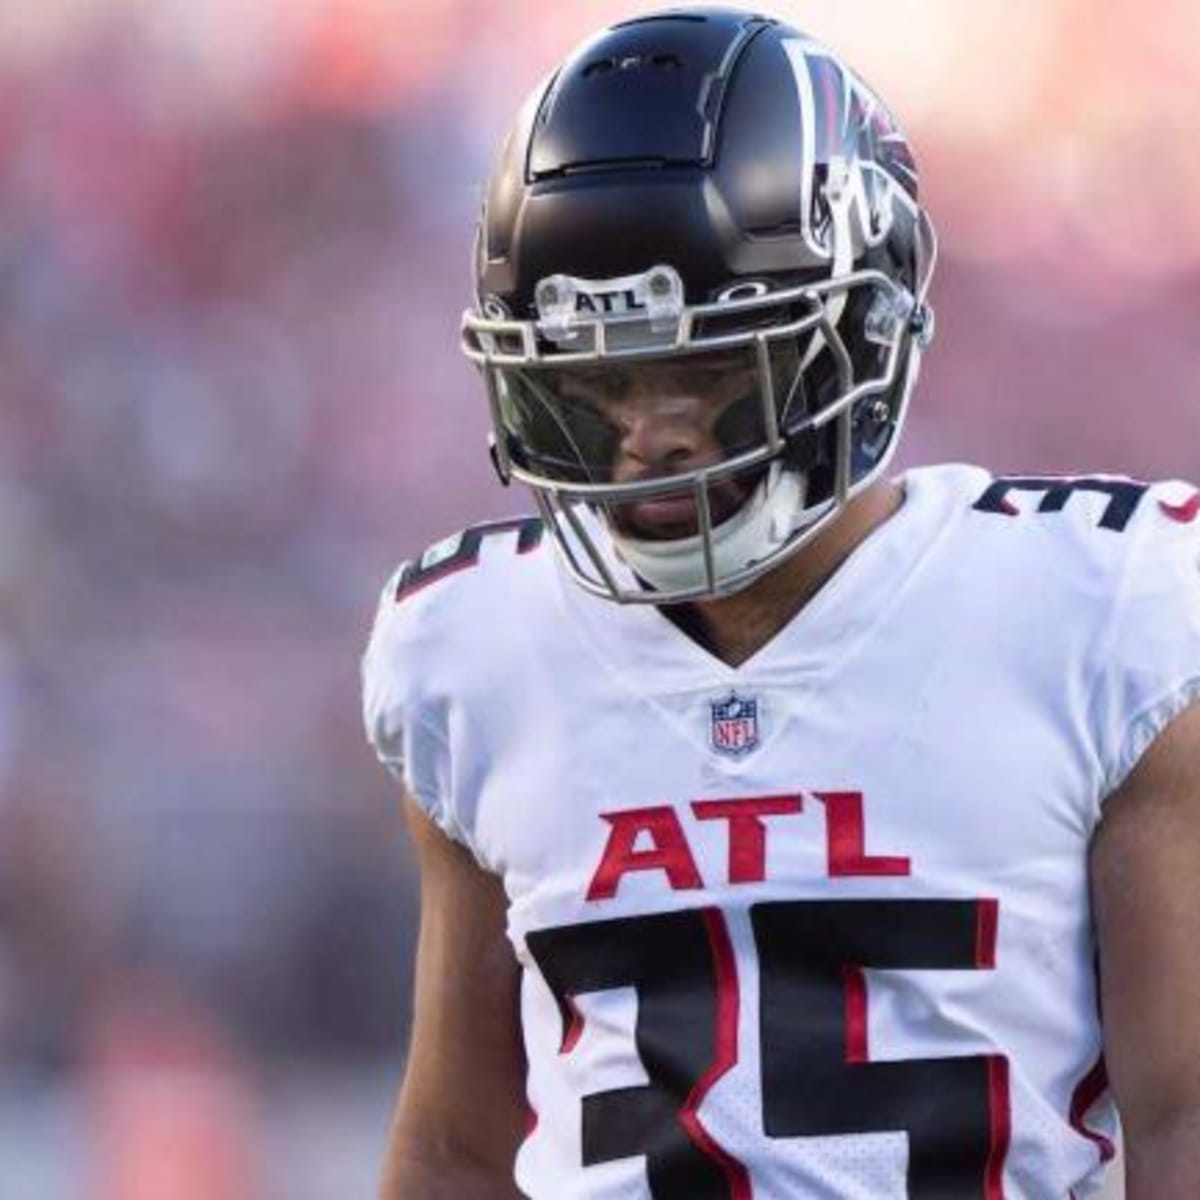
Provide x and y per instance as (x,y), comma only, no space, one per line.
(784,826)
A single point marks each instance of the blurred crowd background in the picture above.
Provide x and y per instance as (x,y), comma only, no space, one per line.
(233,251)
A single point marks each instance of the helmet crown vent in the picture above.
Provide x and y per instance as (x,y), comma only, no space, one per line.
(632,62)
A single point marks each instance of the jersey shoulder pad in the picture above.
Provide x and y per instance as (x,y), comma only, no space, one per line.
(438,631)
(1107,502)
(449,603)
(1149,663)
(1091,526)
(1118,557)
(1124,516)
(485,546)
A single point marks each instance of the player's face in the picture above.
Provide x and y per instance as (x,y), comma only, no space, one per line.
(668,418)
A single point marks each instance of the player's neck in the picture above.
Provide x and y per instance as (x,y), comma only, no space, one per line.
(736,627)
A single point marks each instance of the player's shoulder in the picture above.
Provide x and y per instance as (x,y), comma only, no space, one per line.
(1099,519)
(448,626)
(462,591)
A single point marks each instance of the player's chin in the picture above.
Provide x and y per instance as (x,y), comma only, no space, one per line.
(672,518)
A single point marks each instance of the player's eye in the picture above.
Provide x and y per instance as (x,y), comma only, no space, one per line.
(588,421)
(594,435)
(739,427)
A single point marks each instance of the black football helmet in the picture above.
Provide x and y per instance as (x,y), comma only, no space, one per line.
(705,186)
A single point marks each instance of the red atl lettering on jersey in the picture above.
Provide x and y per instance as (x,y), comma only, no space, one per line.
(845,839)
(747,833)
(668,849)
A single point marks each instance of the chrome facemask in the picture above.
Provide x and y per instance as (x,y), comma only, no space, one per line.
(638,319)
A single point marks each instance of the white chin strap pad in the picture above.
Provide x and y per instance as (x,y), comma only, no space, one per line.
(763,524)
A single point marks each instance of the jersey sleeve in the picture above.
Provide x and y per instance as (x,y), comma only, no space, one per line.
(406,727)
(1150,668)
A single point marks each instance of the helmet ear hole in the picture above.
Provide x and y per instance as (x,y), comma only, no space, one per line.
(889,316)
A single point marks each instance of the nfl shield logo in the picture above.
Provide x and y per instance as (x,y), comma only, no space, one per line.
(734,725)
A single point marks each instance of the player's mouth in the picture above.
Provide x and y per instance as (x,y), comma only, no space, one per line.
(669,518)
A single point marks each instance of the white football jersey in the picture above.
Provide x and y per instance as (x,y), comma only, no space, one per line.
(815,927)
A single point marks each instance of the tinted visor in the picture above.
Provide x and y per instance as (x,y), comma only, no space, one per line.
(627,419)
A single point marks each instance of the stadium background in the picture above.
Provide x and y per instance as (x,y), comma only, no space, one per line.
(233,248)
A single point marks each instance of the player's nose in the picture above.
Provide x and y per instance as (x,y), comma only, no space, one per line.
(663,436)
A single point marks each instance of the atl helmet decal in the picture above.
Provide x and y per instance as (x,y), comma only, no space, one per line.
(563,299)
(733,728)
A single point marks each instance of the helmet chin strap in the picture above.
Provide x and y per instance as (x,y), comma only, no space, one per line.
(763,524)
